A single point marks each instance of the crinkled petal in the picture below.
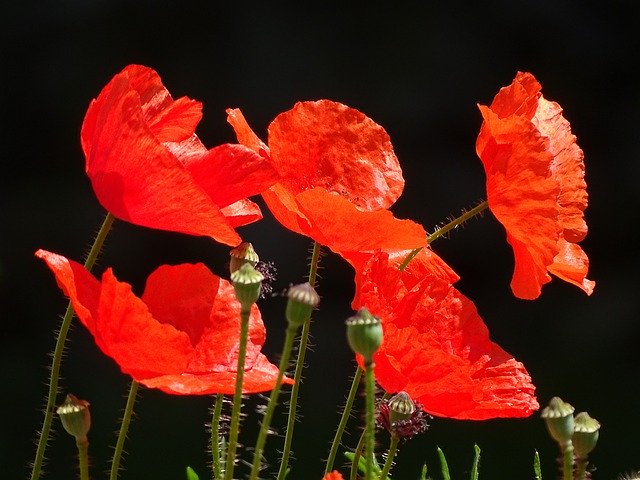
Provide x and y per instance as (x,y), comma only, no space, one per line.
(231,172)
(260,377)
(242,212)
(571,264)
(338,224)
(120,322)
(437,348)
(327,144)
(245,135)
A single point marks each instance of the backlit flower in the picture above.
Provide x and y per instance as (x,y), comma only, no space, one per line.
(335,475)
(338,176)
(148,167)
(436,347)
(181,336)
(535,186)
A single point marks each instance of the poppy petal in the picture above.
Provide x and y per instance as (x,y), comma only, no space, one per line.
(327,144)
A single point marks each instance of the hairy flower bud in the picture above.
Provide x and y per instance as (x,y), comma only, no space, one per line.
(364,333)
(558,416)
(246,282)
(302,300)
(75,416)
(243,253)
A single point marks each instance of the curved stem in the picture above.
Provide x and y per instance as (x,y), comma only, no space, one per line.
(356,457)
(304,340)
(83,457)
(124,428)
(58,351)
(393,448)
(453,224)
(273,401)
(237,396)
(215,437)
(370,424)
(346,412)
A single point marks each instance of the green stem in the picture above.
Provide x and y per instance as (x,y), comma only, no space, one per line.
(237,396)
(273,400)
(346,412)
(356,457)
(581,468)
(83,457)
(391,454)
(124,428)
(567,464)
(370,414)
(302,350)
(456,222)
(215,437)
(57,355)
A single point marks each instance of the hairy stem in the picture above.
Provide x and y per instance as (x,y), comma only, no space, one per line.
(58,351)
(83,457)
(370,424)
(215,437)
(391,454)
(124,428)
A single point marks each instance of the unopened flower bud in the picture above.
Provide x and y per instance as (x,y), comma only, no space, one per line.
(585,434)
(302,300)
(246,282)
(364,333)
(558,417)
(243,253)
(75,416)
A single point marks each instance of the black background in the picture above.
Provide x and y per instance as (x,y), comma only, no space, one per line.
(419,71)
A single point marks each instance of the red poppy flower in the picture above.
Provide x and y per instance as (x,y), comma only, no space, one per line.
(435,346)
(148,167)
(535,186)
(181,336)
(338,175)
(335,475)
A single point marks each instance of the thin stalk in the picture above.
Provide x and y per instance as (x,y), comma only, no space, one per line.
(346,412)
(356,457)
(391,454)
(456,222)
(567,461)
(215,437)
(237,396)
(124,428)
(581,468)
(302,350)
(370,424)
(83,457)
(58,351)
(292,330)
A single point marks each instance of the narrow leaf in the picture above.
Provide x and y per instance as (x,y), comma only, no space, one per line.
(476,462)
(443,465)
(536,466)
(191,475)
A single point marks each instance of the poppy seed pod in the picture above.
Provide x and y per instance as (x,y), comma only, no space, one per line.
(364,333)
(302,300)
(246,282)
(585,435)
(401,416)
(558,416)
(243,253)
(75,417)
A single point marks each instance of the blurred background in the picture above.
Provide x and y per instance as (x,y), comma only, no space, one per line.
(417,70)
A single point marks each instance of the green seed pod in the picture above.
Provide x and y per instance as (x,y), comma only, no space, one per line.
(364,333)
(585,435)
(302,300)
(247,281)
(401,407)
(243,253)
(559,419)
(75,416)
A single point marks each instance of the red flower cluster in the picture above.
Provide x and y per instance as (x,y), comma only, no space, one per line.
(181,336)
(535,186)
(148,167)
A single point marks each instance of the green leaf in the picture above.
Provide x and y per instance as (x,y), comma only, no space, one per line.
(536,466)
(443,465)
(423,475)
(476,462)
(191,475)
(362,464)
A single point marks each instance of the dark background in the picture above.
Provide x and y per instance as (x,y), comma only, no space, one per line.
(417,70)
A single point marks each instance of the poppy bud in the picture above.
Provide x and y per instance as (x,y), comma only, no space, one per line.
(302,300)
(243,253)
(364,333)
(75,416)
(585,435)
(559,419)
(246,282)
